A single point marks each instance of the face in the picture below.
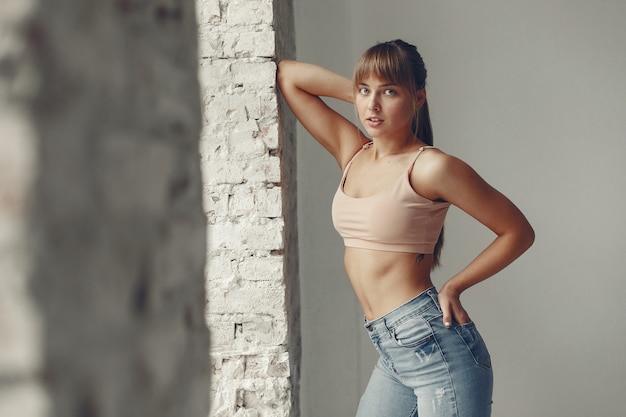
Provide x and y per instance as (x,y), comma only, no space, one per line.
(385,109)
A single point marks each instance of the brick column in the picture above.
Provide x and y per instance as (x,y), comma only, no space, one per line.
(248,153)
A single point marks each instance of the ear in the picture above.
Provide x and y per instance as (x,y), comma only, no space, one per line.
(421,97)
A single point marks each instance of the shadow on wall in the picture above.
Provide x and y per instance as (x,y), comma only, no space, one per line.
(111,236)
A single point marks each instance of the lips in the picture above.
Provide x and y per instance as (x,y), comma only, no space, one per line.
(374,121)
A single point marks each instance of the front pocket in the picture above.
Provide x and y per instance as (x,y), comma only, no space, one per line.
(412,332)
(475,344)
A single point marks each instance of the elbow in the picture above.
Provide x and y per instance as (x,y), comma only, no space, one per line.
(527,237)
(521,237)
(283,70)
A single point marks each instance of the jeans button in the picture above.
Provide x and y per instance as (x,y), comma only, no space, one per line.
(370,328)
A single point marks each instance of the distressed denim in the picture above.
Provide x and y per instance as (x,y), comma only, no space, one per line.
(426,369)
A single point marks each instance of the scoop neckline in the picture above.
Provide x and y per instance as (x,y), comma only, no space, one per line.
(388,187)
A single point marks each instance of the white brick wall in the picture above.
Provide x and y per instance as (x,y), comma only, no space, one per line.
(251,293)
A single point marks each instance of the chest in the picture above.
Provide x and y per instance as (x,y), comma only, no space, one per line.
(366,178)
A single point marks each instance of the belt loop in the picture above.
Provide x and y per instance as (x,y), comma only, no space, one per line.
(391,333)
(432,293)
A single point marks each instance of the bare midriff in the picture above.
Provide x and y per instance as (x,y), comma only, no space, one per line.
(384,281)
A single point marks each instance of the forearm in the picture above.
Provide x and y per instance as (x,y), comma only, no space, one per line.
(315,80)
(499,254)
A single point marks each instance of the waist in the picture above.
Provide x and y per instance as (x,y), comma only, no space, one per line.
(384,280)
(378,264)
(419,304)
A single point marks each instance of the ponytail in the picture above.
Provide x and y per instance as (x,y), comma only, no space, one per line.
(425,134)
(424,127)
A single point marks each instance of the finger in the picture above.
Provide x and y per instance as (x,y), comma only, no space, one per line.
(447,316)
(444,304)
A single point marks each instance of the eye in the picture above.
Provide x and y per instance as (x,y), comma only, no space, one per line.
(364,91)
(390,92)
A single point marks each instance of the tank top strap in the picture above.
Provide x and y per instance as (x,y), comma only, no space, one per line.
(419,152)
(364,147)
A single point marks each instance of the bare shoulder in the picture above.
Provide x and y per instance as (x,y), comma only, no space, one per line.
(350,147)
(437,174)
(434,160)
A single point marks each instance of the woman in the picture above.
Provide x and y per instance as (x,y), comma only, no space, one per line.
(389,208)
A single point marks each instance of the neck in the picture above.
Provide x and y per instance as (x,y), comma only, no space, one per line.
(384,147)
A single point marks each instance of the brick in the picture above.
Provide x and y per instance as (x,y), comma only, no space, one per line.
(242,201)
(249,12)
(210,44)
(215,76)
(249,44)
(269,135)
(223,396)
(222,334)
(223,172)
(230,367)
(240,107)
(250,299)
(262,366)
(208,12)
(269,201)
(266,236)
(266,392)
(254,76)
(263,170)
(236,76)
(214,147)
(244,144)
(255,201)
(247,332)
(253,268)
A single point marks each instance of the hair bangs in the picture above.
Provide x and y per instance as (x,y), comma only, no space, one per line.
(386,62)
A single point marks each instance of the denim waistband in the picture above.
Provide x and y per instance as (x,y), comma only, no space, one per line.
(413,307)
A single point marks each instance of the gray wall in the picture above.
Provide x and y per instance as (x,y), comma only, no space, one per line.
(531,94)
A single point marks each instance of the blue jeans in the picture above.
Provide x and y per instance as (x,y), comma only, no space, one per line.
(426,369)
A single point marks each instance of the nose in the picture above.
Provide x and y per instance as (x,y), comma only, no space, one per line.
(373,103)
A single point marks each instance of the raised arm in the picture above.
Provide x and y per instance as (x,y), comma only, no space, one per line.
(302,85)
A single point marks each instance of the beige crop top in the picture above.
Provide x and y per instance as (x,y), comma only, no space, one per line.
(396,219)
